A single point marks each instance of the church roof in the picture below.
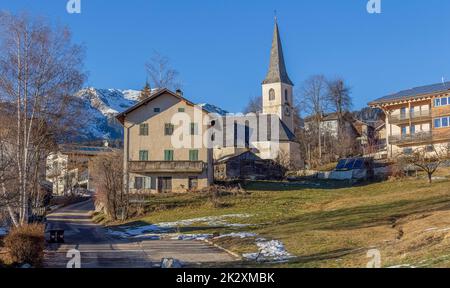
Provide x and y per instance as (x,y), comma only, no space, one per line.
(277,69)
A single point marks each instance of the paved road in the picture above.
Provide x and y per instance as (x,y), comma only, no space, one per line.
(100,250)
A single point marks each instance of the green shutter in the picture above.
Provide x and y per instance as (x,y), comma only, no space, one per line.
(143,155)
(194,129)
(168,155)
(193,155)
(168,129)
(143,130)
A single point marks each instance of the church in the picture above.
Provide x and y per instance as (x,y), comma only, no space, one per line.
(269,133)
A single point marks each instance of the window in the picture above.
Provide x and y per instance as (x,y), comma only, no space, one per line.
(444,101)
(445,122)
(157,110)
(407,151)
(286,95)
(194,129)
(142,183)
(413,129)
(143,130)
(437,123)
(404,130)
(271,95)
(437,102)
(138,183)
(143,155)
(193,183)
(403,113)
(411,112)
(168,155)
(168,129)
(193,155)
(181,110)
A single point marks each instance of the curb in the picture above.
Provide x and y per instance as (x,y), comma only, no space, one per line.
(239,257)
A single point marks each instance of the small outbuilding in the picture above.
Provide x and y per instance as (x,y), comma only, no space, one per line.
(247,166)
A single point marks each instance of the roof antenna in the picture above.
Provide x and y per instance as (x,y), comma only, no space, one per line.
(443,80)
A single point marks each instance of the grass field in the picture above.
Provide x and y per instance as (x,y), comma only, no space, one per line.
(329,224)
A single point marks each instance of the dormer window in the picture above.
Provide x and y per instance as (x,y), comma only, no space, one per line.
(157,110)
(271,95)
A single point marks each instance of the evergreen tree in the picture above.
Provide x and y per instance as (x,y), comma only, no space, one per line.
(145,92)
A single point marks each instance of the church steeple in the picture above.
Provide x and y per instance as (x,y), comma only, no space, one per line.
(277,69)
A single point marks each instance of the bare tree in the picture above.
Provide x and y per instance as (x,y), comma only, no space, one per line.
(40,71)
(108,175)
(254,105)
(428,159)
(339,96)
(161,73)
(314,102)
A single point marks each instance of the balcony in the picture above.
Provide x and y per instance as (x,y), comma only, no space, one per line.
(421,116)
(167,166)
(417,138)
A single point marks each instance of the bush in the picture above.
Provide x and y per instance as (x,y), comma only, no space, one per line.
(26,244)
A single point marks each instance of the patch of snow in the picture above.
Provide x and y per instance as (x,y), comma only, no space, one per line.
(241,235)
(212,221)
(168,227)
(402,266)
(269,251)
(191,237)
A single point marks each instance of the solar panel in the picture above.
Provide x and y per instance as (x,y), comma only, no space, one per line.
(359,164)
(349,164)
(341,164)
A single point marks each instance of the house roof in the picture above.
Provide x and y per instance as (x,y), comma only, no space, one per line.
(329,117)
(153,96)
(412,93)
(85,150)
(277,69)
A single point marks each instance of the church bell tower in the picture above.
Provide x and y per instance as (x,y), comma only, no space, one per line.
(277,88)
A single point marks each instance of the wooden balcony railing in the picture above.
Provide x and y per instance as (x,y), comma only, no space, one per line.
(414,117)
(166,166)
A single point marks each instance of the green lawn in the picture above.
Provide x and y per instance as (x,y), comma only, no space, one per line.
(328,224)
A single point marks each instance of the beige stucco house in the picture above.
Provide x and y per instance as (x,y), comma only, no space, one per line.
(156,160)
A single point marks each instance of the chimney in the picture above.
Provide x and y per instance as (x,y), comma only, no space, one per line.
(179,92)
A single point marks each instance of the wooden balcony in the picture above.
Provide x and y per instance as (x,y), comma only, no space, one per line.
(166,166)
(409,139)
(415,117)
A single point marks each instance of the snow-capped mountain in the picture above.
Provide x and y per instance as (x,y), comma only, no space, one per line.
(102,105)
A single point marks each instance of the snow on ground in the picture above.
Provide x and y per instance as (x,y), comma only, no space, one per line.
(169,227)
(269,251)
(273,250)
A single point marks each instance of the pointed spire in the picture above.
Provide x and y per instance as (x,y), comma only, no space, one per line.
(277,69)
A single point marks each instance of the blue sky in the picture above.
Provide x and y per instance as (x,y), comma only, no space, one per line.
(221,47)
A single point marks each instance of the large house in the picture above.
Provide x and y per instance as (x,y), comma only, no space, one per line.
(155,161)
(417,118)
